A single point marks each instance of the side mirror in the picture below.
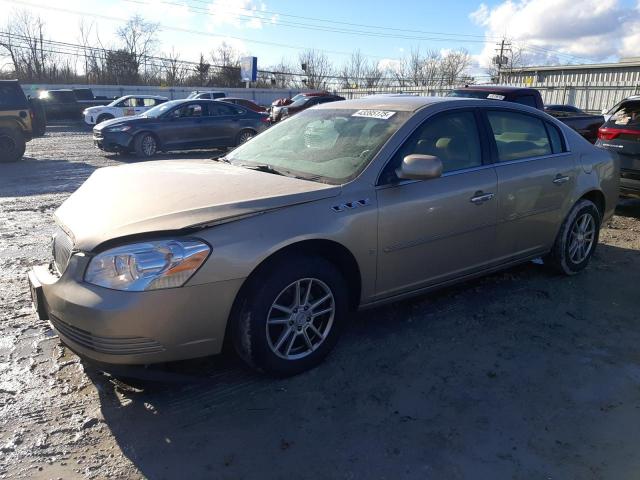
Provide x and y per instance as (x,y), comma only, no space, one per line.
(419,167)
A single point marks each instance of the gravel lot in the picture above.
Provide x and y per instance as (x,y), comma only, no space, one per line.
(522,375)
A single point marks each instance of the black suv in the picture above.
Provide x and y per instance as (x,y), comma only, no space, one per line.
(15,121)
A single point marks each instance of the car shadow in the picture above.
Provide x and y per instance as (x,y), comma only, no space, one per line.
(31,176)
(463,380)
(628,207)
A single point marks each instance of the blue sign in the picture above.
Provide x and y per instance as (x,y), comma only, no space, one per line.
(249,69)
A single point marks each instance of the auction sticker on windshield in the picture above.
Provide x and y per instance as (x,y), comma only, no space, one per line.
(381,114)
(495,96)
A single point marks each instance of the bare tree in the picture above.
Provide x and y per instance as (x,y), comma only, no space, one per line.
(24,43)
(140,40)
(226,62)
(173,68)
(317,68)
(453,66)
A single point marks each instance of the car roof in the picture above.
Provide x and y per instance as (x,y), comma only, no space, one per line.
(157,97)
(225,99)
(389,102)
(497,88)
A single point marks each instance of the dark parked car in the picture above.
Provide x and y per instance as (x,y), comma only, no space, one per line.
(244,103)
(583,123)
(283,102)
(38,117)
(563,109)
(621,134)
(69,103)
(15,121)
(302,103)
(180,125)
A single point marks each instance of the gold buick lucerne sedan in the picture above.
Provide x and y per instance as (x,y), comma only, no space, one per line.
(345,206)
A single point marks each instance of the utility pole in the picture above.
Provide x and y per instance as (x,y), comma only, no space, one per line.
(501,59)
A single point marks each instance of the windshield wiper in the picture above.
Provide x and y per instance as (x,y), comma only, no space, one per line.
(264,168)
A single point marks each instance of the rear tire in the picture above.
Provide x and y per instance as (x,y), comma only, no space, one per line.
(12,145)
(145,145)
(259,327)
(577,239)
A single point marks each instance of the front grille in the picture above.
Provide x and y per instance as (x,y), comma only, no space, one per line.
(62,247)
(108,345)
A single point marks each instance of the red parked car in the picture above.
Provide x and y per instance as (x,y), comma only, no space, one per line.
(243,102)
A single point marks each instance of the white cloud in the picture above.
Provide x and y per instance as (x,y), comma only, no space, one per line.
(549,30)
(239,13)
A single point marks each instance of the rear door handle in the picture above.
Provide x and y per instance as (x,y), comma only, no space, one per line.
(560,179)
(480,197)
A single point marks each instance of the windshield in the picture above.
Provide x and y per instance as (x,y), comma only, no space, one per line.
(116,101)
(300,102)
(329,146)
(193,95)
(158,110)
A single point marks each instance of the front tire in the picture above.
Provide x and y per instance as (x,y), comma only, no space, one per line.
(12,145)
(145,145)
(290,316)
(244,136)
(104,117)
(577,239)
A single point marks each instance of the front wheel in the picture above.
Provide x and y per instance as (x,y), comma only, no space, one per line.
(244,136)
(12,145)
(103,118)
(577,238)
(291,315)
(145,145)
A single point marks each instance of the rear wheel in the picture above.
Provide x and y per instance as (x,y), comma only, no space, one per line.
(291,315)
(104,117)
(577,239)
(145,145)
(245,136)
(12,145)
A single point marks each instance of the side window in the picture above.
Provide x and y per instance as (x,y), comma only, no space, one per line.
(219,109)
(452,137)
(518,135)
(149,102)
(188,111)
(556,139)
(528,100)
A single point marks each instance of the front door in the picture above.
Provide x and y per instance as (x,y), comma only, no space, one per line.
(181,128)
(536,176)
(435,230)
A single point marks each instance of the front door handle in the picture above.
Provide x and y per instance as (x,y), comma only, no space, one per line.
(480,197)
(560,179)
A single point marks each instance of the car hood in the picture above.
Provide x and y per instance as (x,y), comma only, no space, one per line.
(172,195)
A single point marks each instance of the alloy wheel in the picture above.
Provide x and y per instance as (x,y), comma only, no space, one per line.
(300,318)
(148,145)
(582,238)
(245,137)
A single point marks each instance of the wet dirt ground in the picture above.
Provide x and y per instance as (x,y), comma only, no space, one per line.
(522,375)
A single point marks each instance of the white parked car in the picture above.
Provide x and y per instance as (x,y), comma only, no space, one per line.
(126,106)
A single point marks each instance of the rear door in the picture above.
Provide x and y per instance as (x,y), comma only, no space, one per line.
(223,124)
(536,178)
(435,230)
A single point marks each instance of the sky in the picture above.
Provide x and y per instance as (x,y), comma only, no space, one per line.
(543,31)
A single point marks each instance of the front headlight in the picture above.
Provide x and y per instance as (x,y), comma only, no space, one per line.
(122,128)
(148,265)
